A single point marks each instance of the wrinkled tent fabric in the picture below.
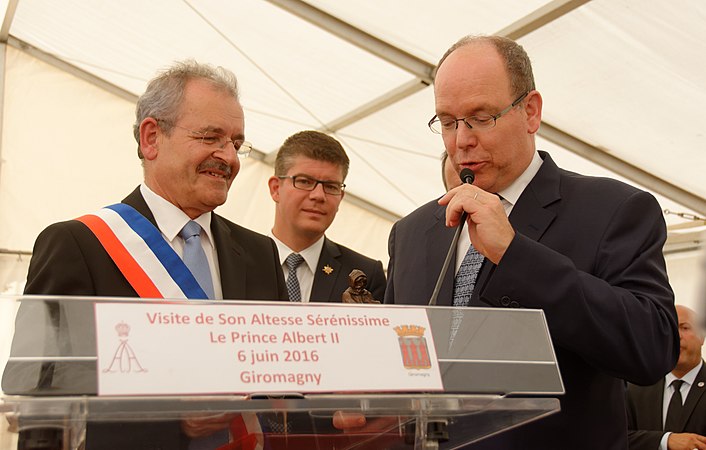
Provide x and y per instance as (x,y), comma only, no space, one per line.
(620,75)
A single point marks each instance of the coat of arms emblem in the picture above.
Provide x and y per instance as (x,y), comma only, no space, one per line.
(413,345)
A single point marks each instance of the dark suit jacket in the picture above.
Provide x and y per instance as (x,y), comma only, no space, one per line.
(588,251)
(645,413)
(69,260)
(330,287)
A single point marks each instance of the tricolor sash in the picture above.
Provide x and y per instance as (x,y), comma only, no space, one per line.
(144,257)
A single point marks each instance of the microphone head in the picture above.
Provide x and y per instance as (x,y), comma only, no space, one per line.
(467,175)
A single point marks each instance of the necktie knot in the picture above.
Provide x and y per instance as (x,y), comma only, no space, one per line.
(190,230)
(676,384)
(294,260)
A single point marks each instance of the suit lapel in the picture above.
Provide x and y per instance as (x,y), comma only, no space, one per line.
(230,264)
(530,215)
(695,393)
(136,200)
(324,281)
(653,395)
(438,238)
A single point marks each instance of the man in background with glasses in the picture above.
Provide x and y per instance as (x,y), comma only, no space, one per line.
(585,250)
(307,189)
(190,132)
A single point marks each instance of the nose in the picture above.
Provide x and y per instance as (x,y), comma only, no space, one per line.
(229,156)
(318,192)
(465,136)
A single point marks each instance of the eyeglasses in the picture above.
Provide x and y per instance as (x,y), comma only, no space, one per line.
(309,184)
(445,125)
(217,140)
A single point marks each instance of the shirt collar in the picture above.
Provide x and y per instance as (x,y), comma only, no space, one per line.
(689,378)
(310,254)
(170,219)
(512,193)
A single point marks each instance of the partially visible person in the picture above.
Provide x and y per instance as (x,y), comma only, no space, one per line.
(449,175)
(654,422)
(307,188)
(585,250)
(190,130)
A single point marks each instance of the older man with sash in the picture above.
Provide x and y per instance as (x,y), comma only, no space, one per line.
(163,240)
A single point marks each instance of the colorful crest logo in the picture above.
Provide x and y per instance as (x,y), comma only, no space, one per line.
(413,345)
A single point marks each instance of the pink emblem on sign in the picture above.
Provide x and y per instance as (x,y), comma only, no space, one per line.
(124,359)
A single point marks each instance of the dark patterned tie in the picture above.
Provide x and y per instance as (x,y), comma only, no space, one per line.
(463,288)
(675,407)
(293,261)
(466,277)
(195,257)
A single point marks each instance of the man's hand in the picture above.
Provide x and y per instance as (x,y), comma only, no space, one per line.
(197,426)
(488,225)
(348,421)
(353,422)
(686,441)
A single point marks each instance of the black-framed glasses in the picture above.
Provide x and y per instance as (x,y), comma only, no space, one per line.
(217,140)
(445,125)
(309,184)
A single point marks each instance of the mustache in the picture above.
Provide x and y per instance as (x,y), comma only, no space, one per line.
(217,166)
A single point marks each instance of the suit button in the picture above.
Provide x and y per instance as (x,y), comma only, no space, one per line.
(505,300)
(514,304)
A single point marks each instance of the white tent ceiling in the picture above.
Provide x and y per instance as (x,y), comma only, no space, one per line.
(624,84)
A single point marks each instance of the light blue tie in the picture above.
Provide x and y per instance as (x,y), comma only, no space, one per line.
(195,258)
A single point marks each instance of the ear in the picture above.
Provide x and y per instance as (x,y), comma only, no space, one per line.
(149,138)
(533,109)
(273,183)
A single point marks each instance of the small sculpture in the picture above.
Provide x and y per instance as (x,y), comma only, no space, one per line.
(356,292)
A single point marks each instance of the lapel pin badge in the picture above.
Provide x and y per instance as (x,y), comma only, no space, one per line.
(701,384)
(328,270)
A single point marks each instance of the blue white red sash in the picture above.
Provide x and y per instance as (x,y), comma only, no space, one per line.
(143,256)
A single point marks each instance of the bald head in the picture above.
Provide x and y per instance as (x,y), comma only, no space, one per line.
(691,339)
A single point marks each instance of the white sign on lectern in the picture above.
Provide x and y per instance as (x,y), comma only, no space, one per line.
(191,348)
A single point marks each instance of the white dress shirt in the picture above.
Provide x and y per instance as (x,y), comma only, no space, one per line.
(688,380)
(305,271)
(170,220)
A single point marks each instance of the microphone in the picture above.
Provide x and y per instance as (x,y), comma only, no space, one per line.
(467,176)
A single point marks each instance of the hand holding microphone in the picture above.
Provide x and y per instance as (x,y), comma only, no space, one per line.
(489,227)
(467,176)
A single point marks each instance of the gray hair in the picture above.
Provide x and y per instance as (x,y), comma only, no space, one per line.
(164,94)
(517,63)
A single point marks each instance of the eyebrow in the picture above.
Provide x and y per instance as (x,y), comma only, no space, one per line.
(220,131)
(484,108)
(314,178)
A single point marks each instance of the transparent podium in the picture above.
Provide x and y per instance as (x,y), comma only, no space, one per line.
(497,368)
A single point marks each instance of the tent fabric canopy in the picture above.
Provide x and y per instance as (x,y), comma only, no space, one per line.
(623,84)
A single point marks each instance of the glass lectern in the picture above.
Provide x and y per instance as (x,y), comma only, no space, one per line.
(497,366)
